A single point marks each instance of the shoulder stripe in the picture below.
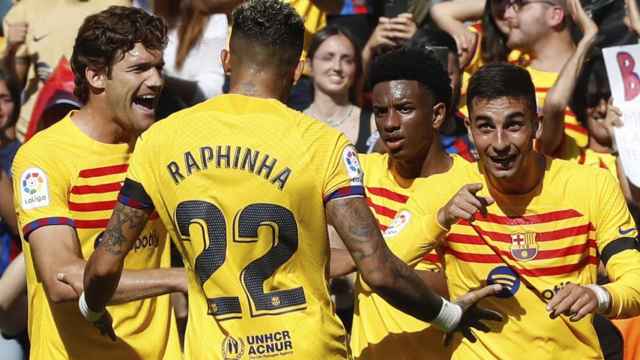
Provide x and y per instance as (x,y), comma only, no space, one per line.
(92,206)
(96,189)
(91,224)
(102,171)
(381,210)
(30,227)
(386,193)
(528,219)
(616,246)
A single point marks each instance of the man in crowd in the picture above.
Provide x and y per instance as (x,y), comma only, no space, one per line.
(538,226)
(247,186)
(65,183)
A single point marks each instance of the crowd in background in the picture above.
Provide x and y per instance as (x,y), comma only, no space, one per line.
(562,52)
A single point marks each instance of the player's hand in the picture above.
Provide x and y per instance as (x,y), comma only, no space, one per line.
(464,205)
(17,33)
(573,300)
(473,315)
(73,279)
(105,325)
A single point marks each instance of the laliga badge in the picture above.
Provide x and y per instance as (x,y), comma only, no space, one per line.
(398,223)
(34,189)
(350,158)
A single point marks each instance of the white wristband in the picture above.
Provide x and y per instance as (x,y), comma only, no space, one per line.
(87,313)
(603,296)
(448,317)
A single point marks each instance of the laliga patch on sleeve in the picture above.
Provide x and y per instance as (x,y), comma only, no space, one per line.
(350,158)
(398,223)
(34,189)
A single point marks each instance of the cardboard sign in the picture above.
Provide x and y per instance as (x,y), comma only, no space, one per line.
(623,71)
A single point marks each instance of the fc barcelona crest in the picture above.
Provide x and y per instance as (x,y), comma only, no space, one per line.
(524,246)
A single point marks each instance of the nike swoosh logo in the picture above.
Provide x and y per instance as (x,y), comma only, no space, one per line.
(38,38)
(626,231)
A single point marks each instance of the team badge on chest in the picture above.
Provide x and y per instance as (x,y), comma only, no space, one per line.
(524,246)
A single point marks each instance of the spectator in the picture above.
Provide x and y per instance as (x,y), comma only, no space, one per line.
(196,38)
(36,41)
(336,67)
(542,29)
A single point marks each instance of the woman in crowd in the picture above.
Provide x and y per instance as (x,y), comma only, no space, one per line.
(335,68)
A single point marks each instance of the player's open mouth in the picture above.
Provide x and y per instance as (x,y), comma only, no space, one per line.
(394,143)
(146,103)
(504,162)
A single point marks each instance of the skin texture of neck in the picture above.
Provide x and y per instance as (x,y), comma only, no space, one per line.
(524,181)
(97,121)
(327,105)
(259,82)
(599,148)
(435,161)
(551,53)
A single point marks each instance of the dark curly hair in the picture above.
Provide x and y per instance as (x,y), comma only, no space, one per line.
(408,63)
(274,31)
(104,39)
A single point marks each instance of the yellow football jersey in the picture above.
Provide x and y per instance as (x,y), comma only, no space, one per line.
(586,156)
(62,176)
(241,183)
(379,330)
(534,244)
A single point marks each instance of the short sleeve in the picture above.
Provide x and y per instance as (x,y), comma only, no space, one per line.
(344,177)
(139,180)
(413,233)
(41,187)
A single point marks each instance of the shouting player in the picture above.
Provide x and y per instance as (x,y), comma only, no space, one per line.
(537,225)
(246,185)
(66,180)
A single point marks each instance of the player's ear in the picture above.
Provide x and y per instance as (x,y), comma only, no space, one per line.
(225,59)
(537,126)
(297,73)
(97,79)
(439,115)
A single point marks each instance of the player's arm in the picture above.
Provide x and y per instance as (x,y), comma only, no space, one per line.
(58,273)
(394,280)
(616,238)
(104,268)
(559,95)
(341,263)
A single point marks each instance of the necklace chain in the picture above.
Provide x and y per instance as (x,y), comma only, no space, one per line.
(331,121)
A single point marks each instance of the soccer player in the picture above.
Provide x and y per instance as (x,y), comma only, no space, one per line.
(537,225)
(245,185)
(65,182)
(411,96)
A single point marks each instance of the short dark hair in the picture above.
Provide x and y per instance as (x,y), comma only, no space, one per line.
(499,80)
(109,34)
(274,31)
(408,63)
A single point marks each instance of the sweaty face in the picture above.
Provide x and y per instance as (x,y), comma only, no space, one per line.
(6,105)
(503,130)
(403,112)
(334,65)
(134,87)
(527,25)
